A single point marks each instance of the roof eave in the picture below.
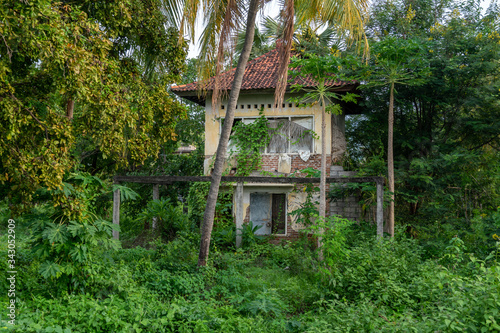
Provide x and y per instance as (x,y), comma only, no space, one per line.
(194,96)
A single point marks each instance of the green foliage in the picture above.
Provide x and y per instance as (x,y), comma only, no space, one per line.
(224,231)
(248,236)
(446,151)
(379,270)
(78,86)
(321,69)
(197,200)
(67,244)
(170,218)
(84,313)
(179,284)
(177,255)
(266,303)
(67,247)
(306,212)
(381,285)
(454,253)
(333,231)
(250,140)
(224,236)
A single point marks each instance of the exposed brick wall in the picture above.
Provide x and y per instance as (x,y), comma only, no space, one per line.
(270,162)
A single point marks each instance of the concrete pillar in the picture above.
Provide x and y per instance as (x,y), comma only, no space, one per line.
(116,212)
(156,196)
(238,212)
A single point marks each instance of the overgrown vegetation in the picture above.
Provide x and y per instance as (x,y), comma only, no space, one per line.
(440,273)
(250,140)
(364,284)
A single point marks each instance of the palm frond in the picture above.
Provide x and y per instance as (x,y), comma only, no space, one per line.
(272,28)
(172,10)
(230,24)
(349,16)
(188,18)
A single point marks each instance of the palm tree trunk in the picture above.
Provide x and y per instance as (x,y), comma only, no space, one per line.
(390,160)
(208,218)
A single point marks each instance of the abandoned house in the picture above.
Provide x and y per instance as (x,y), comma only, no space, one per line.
(270,205)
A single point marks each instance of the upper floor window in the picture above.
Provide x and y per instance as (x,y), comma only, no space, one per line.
(289,134)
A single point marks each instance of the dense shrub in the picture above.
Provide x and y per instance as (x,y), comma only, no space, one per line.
(380,271)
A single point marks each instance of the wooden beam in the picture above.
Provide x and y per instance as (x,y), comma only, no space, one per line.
(271,180)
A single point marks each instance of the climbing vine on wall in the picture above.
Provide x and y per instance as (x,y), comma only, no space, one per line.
(250,141)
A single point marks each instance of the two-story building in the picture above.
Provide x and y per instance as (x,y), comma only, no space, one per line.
(295,146)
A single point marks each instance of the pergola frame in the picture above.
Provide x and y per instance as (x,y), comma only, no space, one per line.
(167,180)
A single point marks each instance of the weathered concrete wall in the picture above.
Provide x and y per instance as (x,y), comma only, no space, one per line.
(339,144)
(348,207)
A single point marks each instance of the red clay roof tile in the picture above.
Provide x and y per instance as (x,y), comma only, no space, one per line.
(260,73)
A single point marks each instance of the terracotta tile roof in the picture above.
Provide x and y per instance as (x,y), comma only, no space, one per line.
(260,73)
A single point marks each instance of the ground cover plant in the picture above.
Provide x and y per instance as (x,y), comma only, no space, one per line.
(388,285)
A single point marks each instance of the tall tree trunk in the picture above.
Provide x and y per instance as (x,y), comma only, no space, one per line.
(208,218)
(70,106)
(390,160)
(322,180)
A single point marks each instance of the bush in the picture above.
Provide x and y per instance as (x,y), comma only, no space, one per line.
(84,313)
(379,270)
(169,217)
(170,285)
(181,254)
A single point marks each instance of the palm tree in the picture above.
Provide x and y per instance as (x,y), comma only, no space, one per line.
(208,217)
(307,38)
(261,43)
(222,18)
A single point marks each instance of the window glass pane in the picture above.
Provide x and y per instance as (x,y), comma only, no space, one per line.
(279,127)
(301,137)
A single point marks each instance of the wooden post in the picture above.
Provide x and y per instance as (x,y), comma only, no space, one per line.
(380,208)
(238,212)
(116,212)
(156,196)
